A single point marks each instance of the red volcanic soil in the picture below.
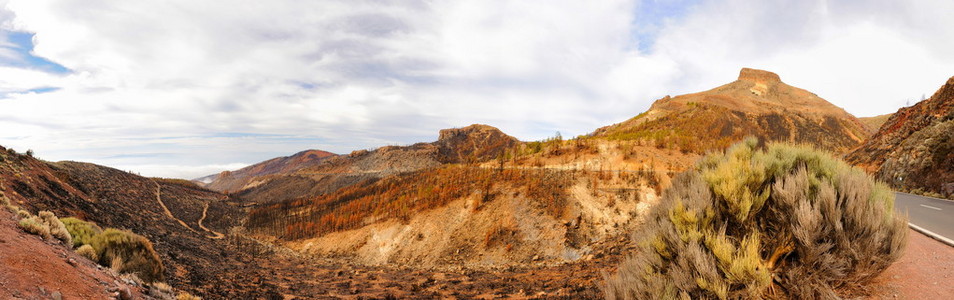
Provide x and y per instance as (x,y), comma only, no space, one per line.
(926,271)
(31,268)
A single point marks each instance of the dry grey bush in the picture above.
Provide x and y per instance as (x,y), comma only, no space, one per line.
(57,229)
(780,222)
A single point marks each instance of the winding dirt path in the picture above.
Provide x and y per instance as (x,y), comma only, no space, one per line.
(166,209)
(215,234)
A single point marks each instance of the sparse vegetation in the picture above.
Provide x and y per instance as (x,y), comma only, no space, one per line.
(399,197)
(57,229)
(187,296)
(45,224)
(35,225)
(779,222)
(6,203)
(128,253)
(161,290)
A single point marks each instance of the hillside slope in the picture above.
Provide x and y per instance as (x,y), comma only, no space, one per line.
(913,149)
(874,123)
(757,104)
(236,180)
(33,268)
(167,212)
(474,143)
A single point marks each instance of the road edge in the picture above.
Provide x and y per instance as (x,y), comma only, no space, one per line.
(929,197)
(931,234)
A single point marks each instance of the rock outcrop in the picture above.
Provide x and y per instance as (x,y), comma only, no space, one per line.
(913,148)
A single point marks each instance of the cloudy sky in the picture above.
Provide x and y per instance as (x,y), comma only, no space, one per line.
(184,88)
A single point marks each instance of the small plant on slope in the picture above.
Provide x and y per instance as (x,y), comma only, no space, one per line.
(57,229)
(779,222)
(129,252)
(87,251)
(35,225)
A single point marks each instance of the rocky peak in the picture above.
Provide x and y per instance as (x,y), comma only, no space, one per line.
(476,142)
(758,76)
(475,129)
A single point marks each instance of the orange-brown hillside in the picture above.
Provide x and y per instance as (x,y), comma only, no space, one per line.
(874,123)
(235,180)
(913,149)
(757,104)
(474,143)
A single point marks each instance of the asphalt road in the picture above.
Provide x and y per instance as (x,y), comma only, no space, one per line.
(932,214)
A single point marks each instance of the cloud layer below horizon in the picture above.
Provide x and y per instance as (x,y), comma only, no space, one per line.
(188,88)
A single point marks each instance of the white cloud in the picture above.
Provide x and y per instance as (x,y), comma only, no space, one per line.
(168,81)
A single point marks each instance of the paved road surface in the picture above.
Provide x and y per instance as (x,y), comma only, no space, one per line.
(932,214)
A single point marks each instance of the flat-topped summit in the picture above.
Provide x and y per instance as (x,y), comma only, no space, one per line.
(476,142)
(758,76)
(757,104)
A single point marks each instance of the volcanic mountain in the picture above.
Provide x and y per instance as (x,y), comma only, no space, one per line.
(757,104)
(913,149)
(235,180)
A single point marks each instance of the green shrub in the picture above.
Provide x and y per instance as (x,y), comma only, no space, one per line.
(87,251)
(129,253)
(779,222)
(57,229)
(81,231)
(35,225)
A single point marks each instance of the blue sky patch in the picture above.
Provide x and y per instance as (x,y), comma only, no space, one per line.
(21,43)
(651,16)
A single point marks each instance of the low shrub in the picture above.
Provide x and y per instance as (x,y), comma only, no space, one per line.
(87,251)
(23,214)
(35,225)
(6,203)
(187,296)
(775,222)
(132,253)
(81,231)
(57,229)
(161,290)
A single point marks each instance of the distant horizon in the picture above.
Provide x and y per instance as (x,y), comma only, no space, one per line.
(180,89)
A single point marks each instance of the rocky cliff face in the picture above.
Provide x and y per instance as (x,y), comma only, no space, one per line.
(474,143)
(913,149)
(757,104)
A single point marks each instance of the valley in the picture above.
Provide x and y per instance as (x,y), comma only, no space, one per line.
(475,214)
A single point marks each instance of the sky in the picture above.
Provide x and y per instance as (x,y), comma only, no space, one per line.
(184,88)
